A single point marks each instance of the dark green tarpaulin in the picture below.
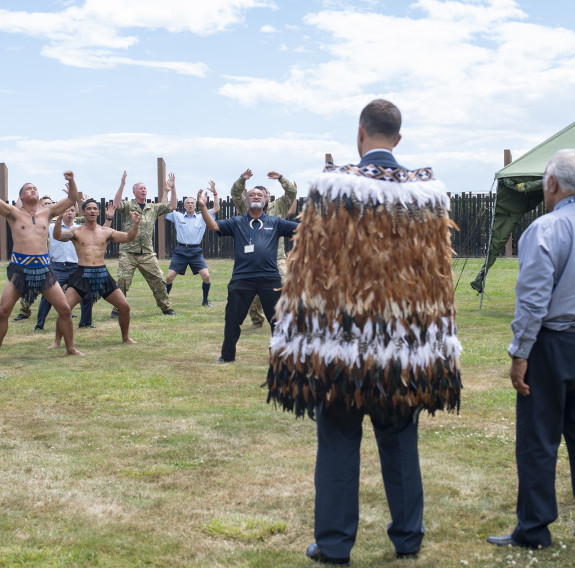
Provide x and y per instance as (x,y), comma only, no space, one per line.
(520,190)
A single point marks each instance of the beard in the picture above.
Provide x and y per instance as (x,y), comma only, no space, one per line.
(257,206)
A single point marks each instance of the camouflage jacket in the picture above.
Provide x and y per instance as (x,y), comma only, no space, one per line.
(277,208)
(144,241)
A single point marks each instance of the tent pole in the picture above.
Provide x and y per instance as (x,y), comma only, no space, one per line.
(487,254)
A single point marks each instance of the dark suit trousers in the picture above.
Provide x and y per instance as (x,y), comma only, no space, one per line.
(241,293)
(339,434)
(63,273)
(542,417)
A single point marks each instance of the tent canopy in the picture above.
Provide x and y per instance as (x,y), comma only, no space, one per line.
(520,190)
(533,163)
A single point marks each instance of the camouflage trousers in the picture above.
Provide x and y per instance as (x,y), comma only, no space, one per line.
(256,311)
(25,310)
(147,264)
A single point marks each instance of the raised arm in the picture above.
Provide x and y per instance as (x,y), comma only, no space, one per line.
(59,235)
(170,186)
(290,193)
(212,188)
(238,190)
(121,237)
(61,206)
(118,196)
(210,221)
(110,211)
(6,209)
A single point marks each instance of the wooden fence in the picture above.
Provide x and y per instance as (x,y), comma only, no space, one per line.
(471,212)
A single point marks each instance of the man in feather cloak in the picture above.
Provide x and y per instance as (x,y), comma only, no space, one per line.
(366,325)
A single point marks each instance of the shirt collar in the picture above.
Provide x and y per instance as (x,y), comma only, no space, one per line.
(377,150)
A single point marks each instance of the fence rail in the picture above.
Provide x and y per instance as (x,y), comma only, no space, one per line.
(471,212)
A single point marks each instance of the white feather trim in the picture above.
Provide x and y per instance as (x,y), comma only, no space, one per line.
(334,185)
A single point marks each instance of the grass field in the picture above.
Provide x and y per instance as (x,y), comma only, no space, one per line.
(151,455)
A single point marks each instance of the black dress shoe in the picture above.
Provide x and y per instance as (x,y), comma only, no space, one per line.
(314,553)
(38,327)
(21,317)
(114,314)
(503,541)
(407,555)
(170,312)
(222,360)
(209,304)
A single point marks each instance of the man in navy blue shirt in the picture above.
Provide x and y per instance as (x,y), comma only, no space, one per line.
(256,237)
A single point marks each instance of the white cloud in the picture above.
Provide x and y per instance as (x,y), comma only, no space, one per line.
(459,60)
(91,35)
(268,29)
(98,161)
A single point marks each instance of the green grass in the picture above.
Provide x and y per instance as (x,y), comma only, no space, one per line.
(151,455)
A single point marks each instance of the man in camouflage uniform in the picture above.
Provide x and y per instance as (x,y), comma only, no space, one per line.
(140,252)
(278,208)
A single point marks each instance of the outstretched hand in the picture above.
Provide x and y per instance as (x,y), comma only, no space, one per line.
(212,187)
(274,175)
(110,209)
(201,199)
(136,217)
(247,174)
(170,183)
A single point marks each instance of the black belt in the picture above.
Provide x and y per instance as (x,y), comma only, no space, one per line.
(188,246)
(66,263)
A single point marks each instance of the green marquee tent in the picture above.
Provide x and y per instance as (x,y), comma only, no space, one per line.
(519,190)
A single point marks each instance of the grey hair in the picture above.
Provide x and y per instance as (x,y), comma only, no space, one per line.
(562,166)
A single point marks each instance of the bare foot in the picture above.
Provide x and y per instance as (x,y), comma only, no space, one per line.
(54,345)
(74,351)
(129,340)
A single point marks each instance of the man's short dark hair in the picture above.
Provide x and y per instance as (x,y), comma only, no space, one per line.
(22,188)
(91,200)
(381,118)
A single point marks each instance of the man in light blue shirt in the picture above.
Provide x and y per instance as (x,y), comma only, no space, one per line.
(190,229)
(64,261)
(543,355)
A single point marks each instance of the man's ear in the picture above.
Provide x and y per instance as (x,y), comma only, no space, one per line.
(397,141)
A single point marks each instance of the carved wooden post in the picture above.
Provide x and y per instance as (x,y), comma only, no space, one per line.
(161,220)
(507,159)
(3,224)
(328,159)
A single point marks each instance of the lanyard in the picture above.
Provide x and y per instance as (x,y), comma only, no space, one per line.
(261,224)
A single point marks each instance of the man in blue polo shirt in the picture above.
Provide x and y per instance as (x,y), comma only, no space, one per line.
(190,228)
(256,237)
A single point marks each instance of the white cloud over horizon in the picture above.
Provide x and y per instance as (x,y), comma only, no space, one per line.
(99,86)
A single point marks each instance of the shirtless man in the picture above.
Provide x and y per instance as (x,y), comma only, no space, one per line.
(29,271)
(90,241)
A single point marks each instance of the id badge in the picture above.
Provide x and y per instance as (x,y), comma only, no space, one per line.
(248,248)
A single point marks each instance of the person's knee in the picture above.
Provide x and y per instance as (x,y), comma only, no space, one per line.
(124,309)
(64,310)
(4,312)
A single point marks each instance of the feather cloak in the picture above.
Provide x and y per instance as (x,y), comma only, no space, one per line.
(366,316)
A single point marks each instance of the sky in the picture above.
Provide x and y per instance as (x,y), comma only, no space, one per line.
(216,87)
